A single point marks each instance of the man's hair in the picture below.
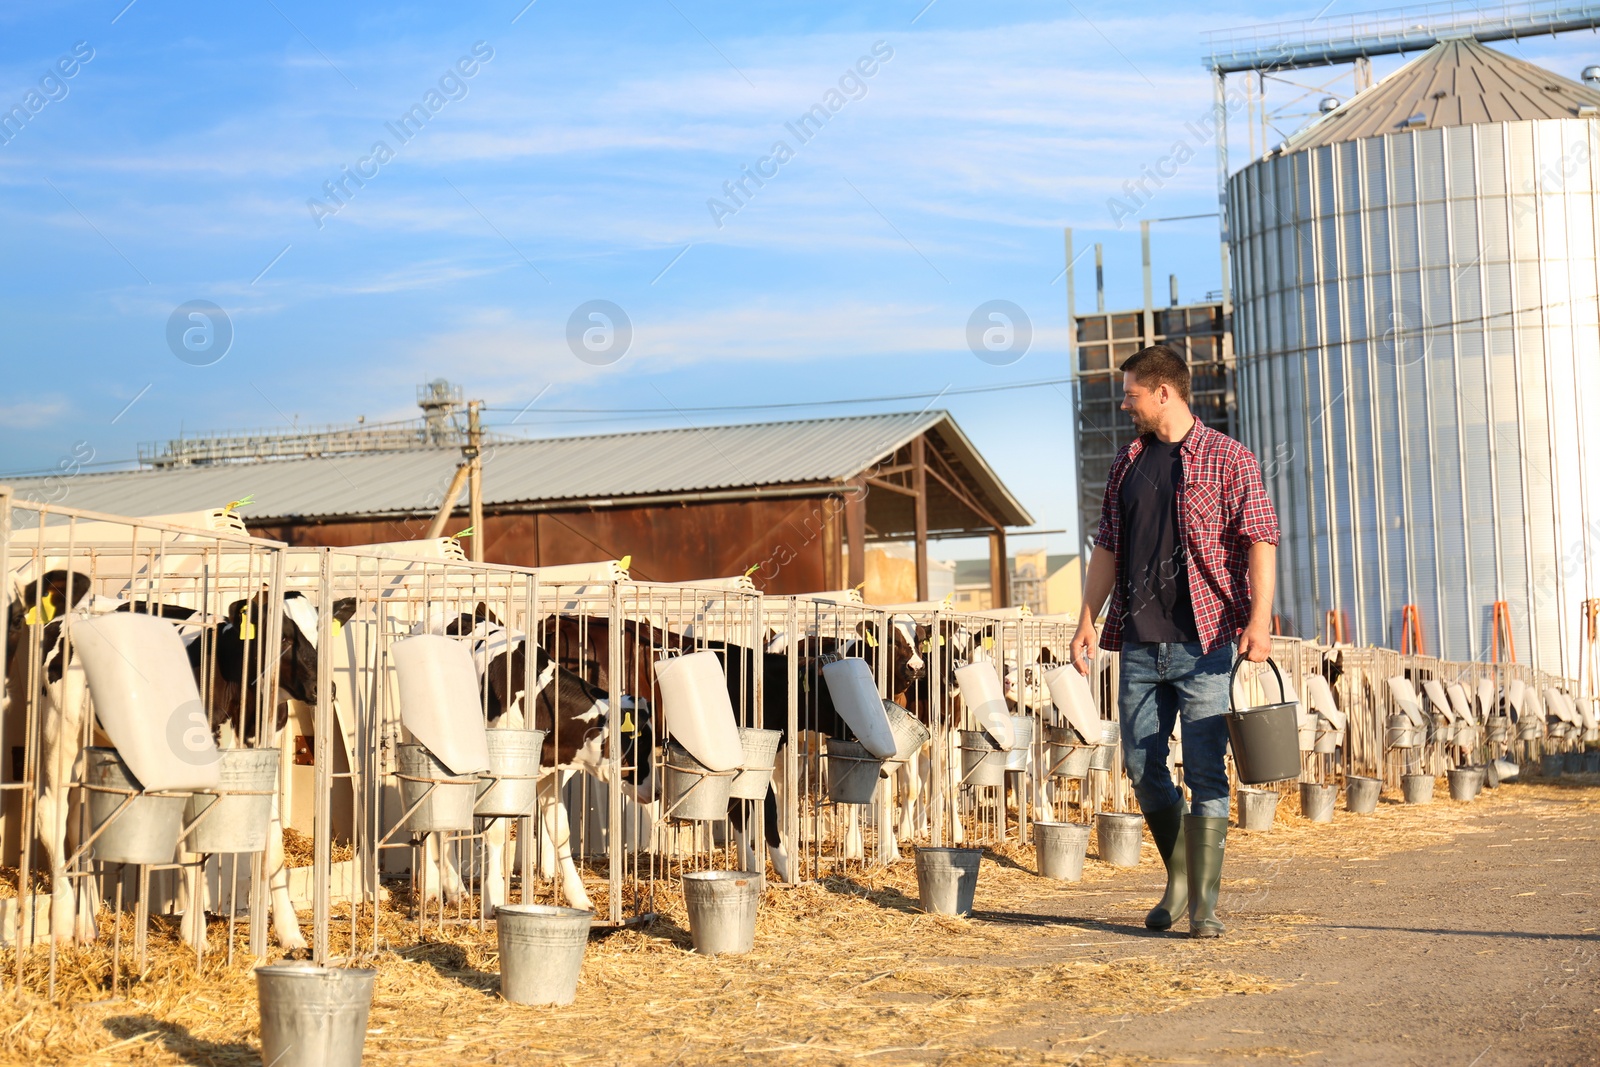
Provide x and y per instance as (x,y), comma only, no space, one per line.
(1159,365)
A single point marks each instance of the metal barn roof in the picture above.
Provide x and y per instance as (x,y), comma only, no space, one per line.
(595,470)
(1454,83)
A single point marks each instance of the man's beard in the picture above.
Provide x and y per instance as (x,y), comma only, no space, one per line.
(1139,424)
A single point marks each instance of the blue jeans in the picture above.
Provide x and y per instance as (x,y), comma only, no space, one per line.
(1160,685)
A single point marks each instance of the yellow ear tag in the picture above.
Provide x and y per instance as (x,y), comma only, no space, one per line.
(248,631)
(32,618)
(627,722)
(941,640)
(337,626)
(924,647)
(43,611)
(988,643)
(624,563)
(872,639)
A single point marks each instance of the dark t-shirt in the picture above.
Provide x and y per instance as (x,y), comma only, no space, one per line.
(1154,567)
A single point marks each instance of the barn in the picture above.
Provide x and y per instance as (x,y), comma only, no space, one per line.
(794,503)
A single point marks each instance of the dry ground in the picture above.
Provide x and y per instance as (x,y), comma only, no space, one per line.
(1455,933)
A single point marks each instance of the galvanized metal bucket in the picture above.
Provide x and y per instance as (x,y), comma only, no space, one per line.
(147,831)
(1104,755)
(909,732)
(1022,727)
(690,789)
(983,762)
(1401,732)
(760,756)
(313,1016)
(1266,739)
(541,952)
(1574,763)
(510,788)
(449,806)
(1068,755)
(1499,728)
(1417,788)
(240,817)
(1061,847)
(1551,764)
(722,909)
(853,772)
(947,879)
(1317,801)
(1464,783)
(1257,809)
(1361,794)
(1118,834)
(1591,763)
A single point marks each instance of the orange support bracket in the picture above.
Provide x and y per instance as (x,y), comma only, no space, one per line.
(1336,627)
(1501,628)
(1591,648)
(1411,631)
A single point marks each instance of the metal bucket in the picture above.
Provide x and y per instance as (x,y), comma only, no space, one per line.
(1491,774)
(760,755)
(1257,808)
(313,1016)
(690,789)
(947,879)
(1551,764)
(147,831)
(983,762)
(1400,732)
(514,768)
(1591,763)
(1361,794)
(1069,758)
(1117,835)
(722,910)
(1529,728)
(1328,741)
(1317,801)
(909,732)
(1499,728)
(1018,756)
(1574,763)
(239,823)
(1061,847)
(1104,755)
(1464,783)
(853,772)
(541,952)
(1417,788)
(449,806)
(1266,739)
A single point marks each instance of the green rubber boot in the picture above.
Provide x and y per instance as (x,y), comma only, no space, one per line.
(1204,838)
(1166,827)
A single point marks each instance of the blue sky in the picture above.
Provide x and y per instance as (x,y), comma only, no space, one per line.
(575,163)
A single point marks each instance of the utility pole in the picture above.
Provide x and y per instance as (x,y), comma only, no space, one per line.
(474,455)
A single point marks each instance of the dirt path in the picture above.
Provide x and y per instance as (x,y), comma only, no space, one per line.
(1481,949)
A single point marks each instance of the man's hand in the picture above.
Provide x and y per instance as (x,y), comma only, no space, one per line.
(1255,642)
(1083,647)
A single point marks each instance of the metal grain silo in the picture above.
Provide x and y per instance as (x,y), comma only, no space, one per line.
(1419,354)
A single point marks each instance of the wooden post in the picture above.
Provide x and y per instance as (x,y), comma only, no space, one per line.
(919,484)
(855,530)
(442,517)
(999,570)
(475,478)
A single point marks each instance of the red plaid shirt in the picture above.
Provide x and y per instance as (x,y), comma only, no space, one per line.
(1222,510)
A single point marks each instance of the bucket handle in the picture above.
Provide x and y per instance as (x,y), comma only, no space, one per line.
(1283,693)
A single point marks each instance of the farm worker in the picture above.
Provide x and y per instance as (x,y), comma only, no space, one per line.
(1186,550)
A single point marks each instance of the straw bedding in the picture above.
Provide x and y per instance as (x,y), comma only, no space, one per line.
(844,969)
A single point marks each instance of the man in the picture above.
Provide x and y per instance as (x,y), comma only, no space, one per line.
(1186,550)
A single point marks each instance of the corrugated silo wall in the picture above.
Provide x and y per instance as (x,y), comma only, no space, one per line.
(1419,372)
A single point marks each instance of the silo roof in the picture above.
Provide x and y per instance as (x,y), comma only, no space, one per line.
(1454,83)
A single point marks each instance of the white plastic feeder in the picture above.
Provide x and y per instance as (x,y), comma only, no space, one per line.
(147,702)
(439,701)
(1070,693)
(1406,697)
(982,694)
(699,715)
(855,697)
(1439,703)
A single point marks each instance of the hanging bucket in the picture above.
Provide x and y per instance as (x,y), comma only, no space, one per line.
(1401,733)
(1017,759)
(541,951)
(722,910)
(1061,847)
(313,1016)
(690,789)
(1328,738)
(1464,783)
(1417,788)
(909,732)
(1361,794)
(1104,756)
(147,831)
(1117,835)
(947,879)
(449,806)
(1529,728)
(510,788)
(1266,743)
(1317,801)
(239,823)
(760,755)
(1257,808)
(983,762)
(853,772)
(1069,758)
(1499,729)
(1551,764)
